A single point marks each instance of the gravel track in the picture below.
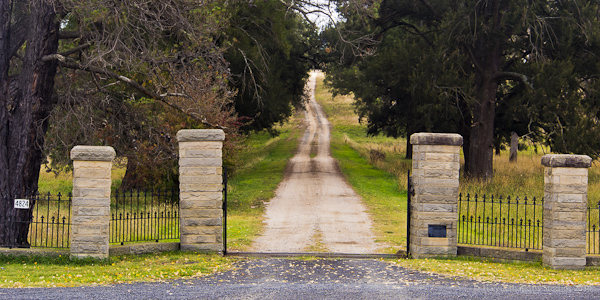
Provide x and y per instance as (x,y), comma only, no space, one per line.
(314,207)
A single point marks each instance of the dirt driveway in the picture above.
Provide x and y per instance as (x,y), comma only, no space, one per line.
(314,209)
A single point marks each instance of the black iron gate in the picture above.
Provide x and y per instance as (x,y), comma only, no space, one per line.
(409,193)
(224,211)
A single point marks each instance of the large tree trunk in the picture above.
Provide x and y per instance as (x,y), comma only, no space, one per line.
(130,180)
(514,147)
(481,152)
(27,98)
(486,55)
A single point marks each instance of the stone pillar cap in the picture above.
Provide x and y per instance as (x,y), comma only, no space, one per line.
(95,153)
(426,138)
(200,135)
(566,161)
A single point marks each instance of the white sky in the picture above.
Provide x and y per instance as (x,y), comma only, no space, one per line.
(322,20)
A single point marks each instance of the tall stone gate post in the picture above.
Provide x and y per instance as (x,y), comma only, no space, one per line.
(201,189)
(91,201)
(565,205)
(434,205)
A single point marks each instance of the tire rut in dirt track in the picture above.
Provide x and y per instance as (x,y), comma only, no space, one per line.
(314,208)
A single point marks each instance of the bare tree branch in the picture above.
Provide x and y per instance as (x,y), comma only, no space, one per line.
(514,76)
(160,97)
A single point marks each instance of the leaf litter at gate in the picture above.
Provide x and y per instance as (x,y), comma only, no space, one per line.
(453,272)
(458,271)
(345,271)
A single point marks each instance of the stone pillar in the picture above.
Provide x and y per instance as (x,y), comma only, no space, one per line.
(201,189)
(434,205)
(91,201)
(565,204)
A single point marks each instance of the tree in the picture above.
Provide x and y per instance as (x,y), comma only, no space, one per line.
(157,51)
(270,56)
(489,58)
(26,88)
(391,94)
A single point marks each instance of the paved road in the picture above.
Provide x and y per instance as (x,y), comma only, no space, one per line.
(315,209)
(314,279)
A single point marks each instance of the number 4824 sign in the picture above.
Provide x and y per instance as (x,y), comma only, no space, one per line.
(22,203)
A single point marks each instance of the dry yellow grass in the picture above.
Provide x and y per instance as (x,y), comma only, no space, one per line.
(523,178)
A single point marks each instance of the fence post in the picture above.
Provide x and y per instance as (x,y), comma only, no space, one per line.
(201,189)
(434,205)
(91,201)
(565,204)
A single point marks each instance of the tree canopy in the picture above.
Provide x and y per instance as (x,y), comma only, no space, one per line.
(270,53)
(481,69)
(250,73)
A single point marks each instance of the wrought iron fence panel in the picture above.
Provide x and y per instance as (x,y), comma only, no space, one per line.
(46,221)
(51,221)
(593,229)
(139,216)
(500,222)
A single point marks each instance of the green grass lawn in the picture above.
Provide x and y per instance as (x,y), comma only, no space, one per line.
(60,271)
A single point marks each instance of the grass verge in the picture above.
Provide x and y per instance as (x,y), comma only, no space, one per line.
(515,272)
(21,271)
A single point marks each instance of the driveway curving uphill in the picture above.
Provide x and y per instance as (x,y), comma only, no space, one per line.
(315,208)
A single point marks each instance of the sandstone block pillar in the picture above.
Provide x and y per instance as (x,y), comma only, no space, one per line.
(201,189)
(91,201)
(565,204)
(434,205)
